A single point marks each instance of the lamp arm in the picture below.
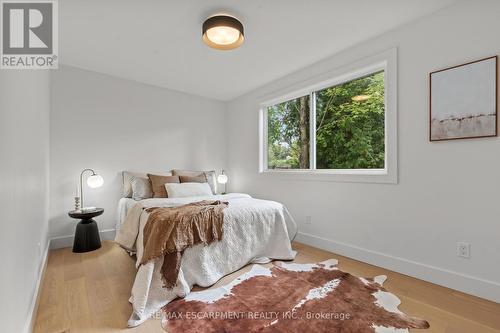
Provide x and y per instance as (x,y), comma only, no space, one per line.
(81,186)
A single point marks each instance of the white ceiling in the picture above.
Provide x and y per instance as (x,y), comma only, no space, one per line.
(159,42)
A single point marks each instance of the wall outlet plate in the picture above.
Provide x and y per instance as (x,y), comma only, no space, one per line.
(308,219)
(463,250)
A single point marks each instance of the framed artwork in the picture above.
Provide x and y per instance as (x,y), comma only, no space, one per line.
(463,101)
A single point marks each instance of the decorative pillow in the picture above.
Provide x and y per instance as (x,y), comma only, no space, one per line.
(141,188)
(194,179)
(128,176)
(183,190)
(158,184)
(210,176)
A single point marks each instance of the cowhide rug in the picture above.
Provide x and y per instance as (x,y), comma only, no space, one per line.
(291,297)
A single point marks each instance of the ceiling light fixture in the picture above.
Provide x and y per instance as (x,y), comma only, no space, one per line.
(223,32)
(360,98)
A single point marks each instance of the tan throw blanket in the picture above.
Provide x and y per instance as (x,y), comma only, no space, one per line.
(169,231)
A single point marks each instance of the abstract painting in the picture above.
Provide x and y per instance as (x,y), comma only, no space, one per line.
(463,101)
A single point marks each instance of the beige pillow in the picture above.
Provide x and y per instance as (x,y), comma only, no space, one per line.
(193,179)
(141,188)
(210,176)
(128,177)
(158,184)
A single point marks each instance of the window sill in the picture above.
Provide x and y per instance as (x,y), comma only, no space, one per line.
(342,175)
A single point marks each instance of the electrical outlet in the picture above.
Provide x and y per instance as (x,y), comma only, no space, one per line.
(39,249)
(308,219)
(463,250)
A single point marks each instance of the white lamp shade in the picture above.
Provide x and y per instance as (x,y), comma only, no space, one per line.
(223,35)
(222,179)
(95,181)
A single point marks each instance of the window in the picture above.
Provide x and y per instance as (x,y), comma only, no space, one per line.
(288,134)
(350,124)
(345,125)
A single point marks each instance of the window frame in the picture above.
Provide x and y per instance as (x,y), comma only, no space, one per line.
(386,61)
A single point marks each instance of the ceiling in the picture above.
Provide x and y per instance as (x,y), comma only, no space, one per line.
(159,42)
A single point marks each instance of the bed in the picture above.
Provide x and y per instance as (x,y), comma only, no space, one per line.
(255,231)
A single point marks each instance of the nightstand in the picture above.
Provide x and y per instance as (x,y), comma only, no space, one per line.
(87,233)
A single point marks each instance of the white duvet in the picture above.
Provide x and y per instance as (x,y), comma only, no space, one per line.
(255,231)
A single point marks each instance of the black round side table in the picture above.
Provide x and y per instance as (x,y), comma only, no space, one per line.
(87,233)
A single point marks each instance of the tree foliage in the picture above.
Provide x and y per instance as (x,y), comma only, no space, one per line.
(349,132)
(285,138)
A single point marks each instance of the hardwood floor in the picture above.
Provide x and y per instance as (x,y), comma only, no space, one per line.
(89,293)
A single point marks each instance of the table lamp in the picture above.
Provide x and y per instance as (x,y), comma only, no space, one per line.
(222,179)
(93,181)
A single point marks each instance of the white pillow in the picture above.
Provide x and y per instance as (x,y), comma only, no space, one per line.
(210,175)
(183,190)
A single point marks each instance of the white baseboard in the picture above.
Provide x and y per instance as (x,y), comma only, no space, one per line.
(67,241)
(465,283)
(30,321)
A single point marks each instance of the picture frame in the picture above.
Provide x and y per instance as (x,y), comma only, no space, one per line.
(463,101)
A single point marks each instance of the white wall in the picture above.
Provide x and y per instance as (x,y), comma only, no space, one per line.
(110,124)
(448,192)
(24,177)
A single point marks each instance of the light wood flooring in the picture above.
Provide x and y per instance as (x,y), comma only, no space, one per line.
(89,293)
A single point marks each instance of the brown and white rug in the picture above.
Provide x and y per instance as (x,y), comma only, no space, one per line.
(290,297)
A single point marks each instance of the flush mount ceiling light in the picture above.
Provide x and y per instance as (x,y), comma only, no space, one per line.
(360,98)
(223,32)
